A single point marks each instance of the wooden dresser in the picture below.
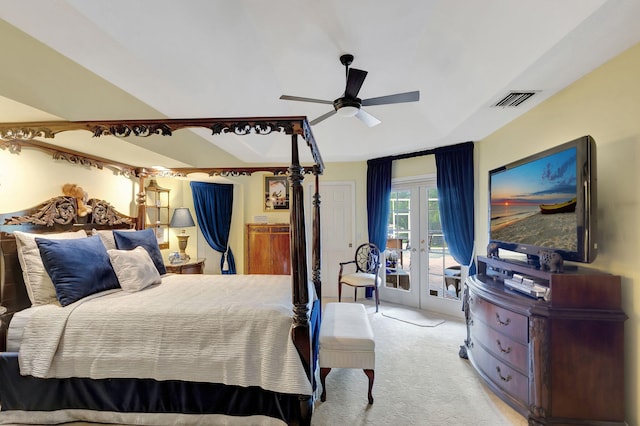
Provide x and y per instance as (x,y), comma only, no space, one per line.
(267,249)
(556,361)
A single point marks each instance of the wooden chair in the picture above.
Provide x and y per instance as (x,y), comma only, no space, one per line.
(367,274)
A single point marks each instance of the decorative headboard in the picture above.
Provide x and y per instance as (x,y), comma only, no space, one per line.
(58,214)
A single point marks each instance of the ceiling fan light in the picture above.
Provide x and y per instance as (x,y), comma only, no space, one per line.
(348,111)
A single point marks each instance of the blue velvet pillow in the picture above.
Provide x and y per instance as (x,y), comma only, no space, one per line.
(77,267)
(147,239)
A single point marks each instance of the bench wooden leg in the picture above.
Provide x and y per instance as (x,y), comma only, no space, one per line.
(323,375)
(370,374)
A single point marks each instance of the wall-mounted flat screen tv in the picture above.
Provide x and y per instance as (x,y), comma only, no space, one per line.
(547,201)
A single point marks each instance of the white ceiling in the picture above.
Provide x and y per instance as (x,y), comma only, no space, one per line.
(217,58)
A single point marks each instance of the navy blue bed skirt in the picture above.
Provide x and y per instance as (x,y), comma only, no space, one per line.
(145,395)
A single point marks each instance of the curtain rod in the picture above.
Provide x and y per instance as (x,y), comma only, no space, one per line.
(420,153)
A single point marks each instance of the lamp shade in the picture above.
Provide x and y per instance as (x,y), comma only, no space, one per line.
(181,218)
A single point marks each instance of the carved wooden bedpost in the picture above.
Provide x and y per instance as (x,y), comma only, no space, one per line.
(316,256)
(300,291)
(141,201)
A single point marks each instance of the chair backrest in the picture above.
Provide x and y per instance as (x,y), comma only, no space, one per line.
(368,258)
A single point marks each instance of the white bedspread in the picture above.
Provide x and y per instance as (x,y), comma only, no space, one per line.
(232,329)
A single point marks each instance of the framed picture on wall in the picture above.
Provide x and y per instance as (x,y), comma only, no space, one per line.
(276,193)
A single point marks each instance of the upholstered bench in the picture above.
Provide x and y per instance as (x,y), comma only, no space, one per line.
(346,341)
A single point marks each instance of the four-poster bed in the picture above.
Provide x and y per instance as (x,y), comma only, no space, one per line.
(153,395)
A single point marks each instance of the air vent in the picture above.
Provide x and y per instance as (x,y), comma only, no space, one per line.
(514,99)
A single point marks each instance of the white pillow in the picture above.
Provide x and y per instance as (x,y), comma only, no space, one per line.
(106,236)
(134,268)
(39,285)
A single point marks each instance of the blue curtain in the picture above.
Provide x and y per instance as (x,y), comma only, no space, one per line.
(454,166)
(213,203)
(378,193)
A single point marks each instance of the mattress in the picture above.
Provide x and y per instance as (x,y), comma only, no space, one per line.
(231,329)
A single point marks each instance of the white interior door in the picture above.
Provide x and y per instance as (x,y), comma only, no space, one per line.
(337,211)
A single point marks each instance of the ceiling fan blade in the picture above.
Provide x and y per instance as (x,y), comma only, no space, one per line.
(367,118)
(398,98)
(298,98)
(355,78)
(322,117)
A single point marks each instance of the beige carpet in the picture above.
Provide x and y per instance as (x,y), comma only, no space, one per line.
(419,380)
(412,316)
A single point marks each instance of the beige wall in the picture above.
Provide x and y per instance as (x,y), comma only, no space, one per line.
(31,177)
(606,105)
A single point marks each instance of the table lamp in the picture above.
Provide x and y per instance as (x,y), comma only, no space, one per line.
(182,219)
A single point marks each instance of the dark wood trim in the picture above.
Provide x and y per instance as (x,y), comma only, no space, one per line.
(16,135)
(316,256)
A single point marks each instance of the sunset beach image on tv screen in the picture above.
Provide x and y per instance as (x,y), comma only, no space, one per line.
(534,203)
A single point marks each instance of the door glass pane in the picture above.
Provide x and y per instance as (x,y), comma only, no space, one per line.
(443,270)
(397,254)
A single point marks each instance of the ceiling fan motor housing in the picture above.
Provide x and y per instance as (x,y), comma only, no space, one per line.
(346,59)
(346,102)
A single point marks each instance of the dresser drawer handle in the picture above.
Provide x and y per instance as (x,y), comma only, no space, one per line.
(503,350)
(505,323)
(504,379)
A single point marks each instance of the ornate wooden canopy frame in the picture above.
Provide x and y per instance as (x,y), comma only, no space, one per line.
(16,136)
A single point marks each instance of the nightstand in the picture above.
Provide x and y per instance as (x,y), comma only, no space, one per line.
(192,266)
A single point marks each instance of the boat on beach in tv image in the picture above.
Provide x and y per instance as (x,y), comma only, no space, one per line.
(563,207)
(535,203)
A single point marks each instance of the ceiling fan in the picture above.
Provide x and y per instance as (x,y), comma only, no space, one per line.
(349,104)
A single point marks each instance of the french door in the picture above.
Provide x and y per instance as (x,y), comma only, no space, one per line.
(419,270)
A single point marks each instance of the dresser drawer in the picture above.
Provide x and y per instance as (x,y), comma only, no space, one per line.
(504,321)
(280,229)
(506,378)
(500,345)
(259,229)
